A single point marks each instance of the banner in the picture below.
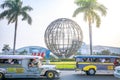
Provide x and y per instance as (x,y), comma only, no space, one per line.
(47,54)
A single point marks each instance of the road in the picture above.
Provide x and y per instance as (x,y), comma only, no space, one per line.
(72,75)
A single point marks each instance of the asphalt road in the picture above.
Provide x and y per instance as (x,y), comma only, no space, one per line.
(72,75)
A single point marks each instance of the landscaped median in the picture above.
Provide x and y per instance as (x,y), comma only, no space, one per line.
(64,65)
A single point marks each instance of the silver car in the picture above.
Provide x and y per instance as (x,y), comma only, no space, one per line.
(117,72)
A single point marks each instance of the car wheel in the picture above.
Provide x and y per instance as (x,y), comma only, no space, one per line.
(1,76)
(91,72)
(50,74)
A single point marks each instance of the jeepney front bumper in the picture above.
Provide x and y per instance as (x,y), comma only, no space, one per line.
(57,75)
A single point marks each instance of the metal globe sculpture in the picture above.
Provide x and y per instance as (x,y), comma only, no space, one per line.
(63,37)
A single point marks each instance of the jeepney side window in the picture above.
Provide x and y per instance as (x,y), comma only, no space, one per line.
(84,59)
(107,60)
(96,60)
(91,59)
(117,62)
(79,60)
(2,61)
(112,60)
(87,60)
(13,61)
(32,63)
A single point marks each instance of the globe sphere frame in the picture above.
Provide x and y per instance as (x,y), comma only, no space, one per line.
(63,37)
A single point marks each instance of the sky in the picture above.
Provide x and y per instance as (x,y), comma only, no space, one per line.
(46,11)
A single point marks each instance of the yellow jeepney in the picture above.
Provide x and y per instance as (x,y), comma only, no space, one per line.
(92,63)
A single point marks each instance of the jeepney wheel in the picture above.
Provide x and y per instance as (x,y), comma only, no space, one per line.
(1,76)
(91,72)
(50,75)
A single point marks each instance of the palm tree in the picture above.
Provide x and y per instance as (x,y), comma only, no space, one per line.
(6,48)
(13,10)
(90,9)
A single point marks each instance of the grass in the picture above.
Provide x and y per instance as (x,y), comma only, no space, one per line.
(64,65)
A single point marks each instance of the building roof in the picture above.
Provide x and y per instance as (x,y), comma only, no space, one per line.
(19,57)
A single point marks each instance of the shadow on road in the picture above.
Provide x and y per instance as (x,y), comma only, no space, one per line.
(31,79)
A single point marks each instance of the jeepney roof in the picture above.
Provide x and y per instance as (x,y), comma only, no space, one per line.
(95,56)
(19,57)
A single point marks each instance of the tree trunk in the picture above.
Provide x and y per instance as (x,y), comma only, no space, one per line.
(90,36)
(15,33)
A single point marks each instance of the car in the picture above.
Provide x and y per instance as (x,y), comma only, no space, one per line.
(26,66)
(117,72)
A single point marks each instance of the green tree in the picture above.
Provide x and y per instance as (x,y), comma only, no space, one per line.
(12,10)
(90,9)
(105,52)
(6,48)
(23,52)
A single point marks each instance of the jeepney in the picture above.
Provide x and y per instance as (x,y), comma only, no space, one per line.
(91,64)
(18,66)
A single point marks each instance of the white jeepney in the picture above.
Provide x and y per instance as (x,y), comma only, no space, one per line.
(20,66)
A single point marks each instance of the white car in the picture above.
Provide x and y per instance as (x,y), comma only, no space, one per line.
(117,72)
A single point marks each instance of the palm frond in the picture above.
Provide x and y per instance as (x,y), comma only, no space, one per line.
(80,2)
(29,20)
(26,8)
(4,14)
(90,10)
(97,19)
(14,7)
(101,8)
(79,10)
(7,4)
(11,19)
(26,17)
(83,2)
(10,12)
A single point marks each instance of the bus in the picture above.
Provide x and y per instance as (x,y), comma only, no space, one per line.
(25,66)
(92,63)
